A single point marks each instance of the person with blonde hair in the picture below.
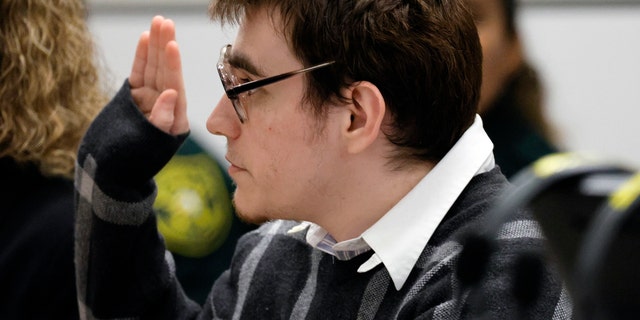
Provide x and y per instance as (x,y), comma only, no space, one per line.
(50,90)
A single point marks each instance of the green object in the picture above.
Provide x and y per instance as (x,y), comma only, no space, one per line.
(193,203)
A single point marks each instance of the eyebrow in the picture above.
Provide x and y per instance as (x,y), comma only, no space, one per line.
(242,61)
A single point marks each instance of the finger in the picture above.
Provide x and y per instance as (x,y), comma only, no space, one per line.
(167,34)
(162,113)
(136,79)
(145,98)
(174,80)
(153,51)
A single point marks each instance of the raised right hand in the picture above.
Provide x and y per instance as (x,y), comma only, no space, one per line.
(156,78)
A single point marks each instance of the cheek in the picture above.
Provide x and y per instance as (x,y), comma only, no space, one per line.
(286,177)
(280,153)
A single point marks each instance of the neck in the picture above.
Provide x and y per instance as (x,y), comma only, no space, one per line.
(368,197)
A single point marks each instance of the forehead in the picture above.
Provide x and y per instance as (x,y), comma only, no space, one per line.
(261,41)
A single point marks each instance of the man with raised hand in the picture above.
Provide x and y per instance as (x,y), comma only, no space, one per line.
(352,138)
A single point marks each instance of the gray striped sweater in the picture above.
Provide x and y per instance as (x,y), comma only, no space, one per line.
(124,271)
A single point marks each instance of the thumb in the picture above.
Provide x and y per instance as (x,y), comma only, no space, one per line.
(162,114)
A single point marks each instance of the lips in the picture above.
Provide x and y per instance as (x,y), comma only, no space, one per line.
(233,168)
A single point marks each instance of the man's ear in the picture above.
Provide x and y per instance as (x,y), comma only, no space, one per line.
(366,113)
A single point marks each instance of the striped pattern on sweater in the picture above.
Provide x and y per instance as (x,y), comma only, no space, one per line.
(125,272)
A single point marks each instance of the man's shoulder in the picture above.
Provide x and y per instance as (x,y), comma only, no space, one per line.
(481,194)
(492,183)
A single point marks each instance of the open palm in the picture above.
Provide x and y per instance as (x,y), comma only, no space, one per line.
(156,79)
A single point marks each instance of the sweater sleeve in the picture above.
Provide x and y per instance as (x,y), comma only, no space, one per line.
(122,267)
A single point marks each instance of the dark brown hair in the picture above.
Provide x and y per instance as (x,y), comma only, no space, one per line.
(509,7)
(423,55)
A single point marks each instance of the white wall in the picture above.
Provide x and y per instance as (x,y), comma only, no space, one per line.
(588,56)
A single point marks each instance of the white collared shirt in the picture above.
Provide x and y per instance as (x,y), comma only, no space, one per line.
(412,221)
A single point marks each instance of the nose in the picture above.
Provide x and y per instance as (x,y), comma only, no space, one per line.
(223,120)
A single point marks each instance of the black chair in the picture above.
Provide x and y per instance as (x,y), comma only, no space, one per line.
(607,276)
(563,192)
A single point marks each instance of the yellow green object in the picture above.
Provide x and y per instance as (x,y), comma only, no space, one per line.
(558,162)
(193,205)
(626,194)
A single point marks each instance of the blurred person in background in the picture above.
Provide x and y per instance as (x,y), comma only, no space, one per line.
(50,90)
(511,95)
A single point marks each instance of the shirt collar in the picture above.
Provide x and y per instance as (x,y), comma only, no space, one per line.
(424,207)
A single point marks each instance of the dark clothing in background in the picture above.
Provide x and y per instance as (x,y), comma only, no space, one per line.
(517,143)
(37,279)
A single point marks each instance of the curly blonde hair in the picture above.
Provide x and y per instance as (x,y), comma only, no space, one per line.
(50,86)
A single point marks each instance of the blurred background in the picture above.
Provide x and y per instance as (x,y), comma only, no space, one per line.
(586,53)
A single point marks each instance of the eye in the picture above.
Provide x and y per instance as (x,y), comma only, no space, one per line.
(243,80)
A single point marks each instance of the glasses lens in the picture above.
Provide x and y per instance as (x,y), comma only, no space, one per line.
(239,107)
(230,81)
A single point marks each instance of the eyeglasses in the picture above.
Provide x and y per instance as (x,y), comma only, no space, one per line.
(237,92)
